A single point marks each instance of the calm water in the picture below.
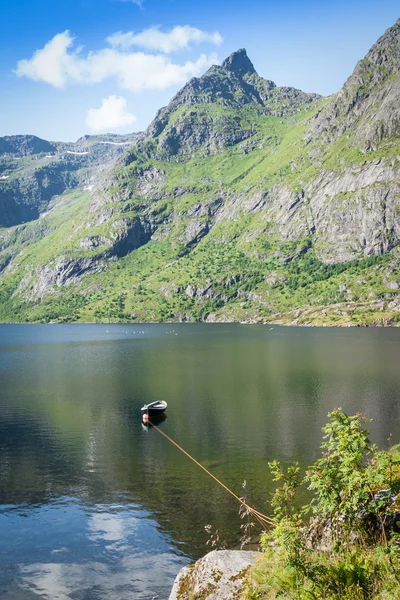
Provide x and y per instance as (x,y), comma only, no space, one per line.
(94,507)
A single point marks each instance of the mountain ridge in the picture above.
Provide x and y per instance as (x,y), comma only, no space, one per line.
(234,84)
(242,201)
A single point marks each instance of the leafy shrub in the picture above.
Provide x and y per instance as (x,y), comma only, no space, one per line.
(349,547)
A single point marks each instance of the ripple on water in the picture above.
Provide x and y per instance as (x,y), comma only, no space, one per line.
(93,506)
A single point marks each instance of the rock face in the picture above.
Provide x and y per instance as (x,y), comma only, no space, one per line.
(54,275)
(239,64)
(219,575)
(369,100)
(129,235)
(232,85)
(22,199)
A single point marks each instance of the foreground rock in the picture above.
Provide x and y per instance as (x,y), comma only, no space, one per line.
(219,575)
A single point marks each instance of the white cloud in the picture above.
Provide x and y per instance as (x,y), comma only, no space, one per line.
(112,114)
(52,63)
(109,527)
(178,38)
(58,64)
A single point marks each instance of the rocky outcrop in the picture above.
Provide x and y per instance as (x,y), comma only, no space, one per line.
(94,241)
(64,271)
(24,198)
(369,101)
(234,84)
(348,214)
(193,132)
(239,64)
(129,234)
(220,575)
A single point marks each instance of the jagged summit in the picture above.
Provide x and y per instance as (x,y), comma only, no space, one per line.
(391,37)
(384,55)
(368,103)
(239,63)
(380,63)
(204,113)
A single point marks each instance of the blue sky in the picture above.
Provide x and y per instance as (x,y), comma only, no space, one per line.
(84,66)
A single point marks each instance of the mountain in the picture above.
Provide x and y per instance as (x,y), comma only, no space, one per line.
(219,109)
(34,171)
(242,201)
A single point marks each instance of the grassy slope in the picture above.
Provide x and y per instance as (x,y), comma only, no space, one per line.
(150,283)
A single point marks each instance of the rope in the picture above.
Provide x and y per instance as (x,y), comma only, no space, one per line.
(264,520)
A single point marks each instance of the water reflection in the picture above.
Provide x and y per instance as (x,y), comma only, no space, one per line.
(72,550)
(89,500)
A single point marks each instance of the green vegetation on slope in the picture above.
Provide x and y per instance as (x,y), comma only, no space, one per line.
(344,544)
(241,270)
(242,201)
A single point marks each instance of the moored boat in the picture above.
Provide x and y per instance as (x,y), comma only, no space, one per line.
(154,408)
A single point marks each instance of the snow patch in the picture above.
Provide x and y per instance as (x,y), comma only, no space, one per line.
(117,143)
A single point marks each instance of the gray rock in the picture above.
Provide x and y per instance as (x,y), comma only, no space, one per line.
(190,291)
(372,115)
(239,63)
(129,234)
(64,271)
(194,231)
(392,284)
(94,241)
(217,576)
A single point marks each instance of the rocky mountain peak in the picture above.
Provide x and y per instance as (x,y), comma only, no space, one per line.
(239,63)
(205,118)
(382,60)
(390,40)
(368,102)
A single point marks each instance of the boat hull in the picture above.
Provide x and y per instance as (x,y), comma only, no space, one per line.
(154,409)
(153,412)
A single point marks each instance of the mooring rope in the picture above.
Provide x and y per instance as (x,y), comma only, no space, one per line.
(264,520)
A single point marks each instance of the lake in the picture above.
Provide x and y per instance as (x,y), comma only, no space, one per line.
(94,506)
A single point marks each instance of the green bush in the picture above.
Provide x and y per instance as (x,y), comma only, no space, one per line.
(343,545)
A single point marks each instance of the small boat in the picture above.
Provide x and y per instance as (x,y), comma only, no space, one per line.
(154,408)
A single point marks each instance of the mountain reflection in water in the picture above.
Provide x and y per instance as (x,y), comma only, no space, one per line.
(93,506)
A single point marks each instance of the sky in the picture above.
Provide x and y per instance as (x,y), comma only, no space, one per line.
(73,67)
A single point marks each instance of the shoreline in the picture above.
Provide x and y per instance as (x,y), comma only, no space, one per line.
(222,322)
